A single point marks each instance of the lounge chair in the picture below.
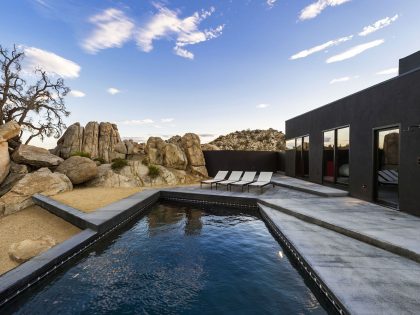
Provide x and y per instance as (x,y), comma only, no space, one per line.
(235,176)
(248,178)
(220,176)
(388,177)
(263,180)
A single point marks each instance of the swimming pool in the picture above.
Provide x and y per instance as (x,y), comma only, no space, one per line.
(178,259)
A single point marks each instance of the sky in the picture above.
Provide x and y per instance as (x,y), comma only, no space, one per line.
(161,68)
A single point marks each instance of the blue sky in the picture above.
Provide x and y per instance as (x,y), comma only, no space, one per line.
(210,67)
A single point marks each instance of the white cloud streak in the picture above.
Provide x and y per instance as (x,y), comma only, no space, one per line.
(271,3)
(167,120)
(113,91)
(305,53)
(50,62)
(378,25)
(112,29)
(354,51)
(343,79)
(262,106)
(76,93)
(315,9)
(390,71)
(166,24)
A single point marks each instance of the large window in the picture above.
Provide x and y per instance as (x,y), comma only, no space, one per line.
(300,146)
(336,156)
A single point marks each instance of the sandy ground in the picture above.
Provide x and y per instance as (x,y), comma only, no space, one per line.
(30,223)
(89,199)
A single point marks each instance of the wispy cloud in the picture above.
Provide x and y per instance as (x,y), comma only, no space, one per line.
(76,93)
(343,79)
(305,53)
(167,120)
(112,29)
(140,122)
(167,24)
(50,62)
(390,71)
(354,51)
(378,25)
(315,9)
(262,106)
(271,3)
(113,91)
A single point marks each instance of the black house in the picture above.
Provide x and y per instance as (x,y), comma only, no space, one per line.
(367,142)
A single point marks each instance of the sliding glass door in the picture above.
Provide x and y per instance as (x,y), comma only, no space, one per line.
(302,157)
(336,156)
(387,149)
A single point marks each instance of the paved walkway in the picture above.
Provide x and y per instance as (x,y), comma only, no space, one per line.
(365,279)
(308,187)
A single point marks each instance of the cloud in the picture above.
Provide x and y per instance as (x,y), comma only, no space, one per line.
(271,3)
(388,71)
(262,106)
(343,79)
(354,51)
(113,91)
(305,53)
(314,9)
(112,29)
(50,62)
(378,25)
(167,120)
(166,24)
(76,93)
(146,121)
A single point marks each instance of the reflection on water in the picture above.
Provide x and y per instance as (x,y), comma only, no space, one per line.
(178,260)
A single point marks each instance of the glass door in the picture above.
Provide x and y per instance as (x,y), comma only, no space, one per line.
(387,156)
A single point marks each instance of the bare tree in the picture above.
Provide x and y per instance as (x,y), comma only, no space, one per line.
(38,107)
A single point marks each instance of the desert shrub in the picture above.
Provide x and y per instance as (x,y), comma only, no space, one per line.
(154,171)
(118,164)
(100,160)
(81,153)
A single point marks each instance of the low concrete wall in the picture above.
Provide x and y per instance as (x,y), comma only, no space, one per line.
(230,160)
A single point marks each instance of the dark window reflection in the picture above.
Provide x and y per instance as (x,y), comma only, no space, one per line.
(328,160)
(343,155)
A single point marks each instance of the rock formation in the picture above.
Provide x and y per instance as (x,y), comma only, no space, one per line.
(209,147)
(17,172)
(7,131)
(192,148)
(252,140)
(34,156)
(155,150)
(70,142)
(90,139)
(174,157)
(43,181)
(27,249)
(78,169)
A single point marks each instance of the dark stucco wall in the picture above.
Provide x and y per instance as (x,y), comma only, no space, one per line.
(393,102)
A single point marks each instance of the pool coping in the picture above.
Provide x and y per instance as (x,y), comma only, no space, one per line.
(99,223)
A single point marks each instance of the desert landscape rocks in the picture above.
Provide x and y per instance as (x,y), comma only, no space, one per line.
(70,142)
(42,181)
(174,157)
(35,156)
(90,139)
(192,148)
(78,169)
(17,172)
(27,249)
(7,132)
(209,147)
(155,150)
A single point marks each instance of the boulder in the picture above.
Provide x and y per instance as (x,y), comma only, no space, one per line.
(120,147)
(17,172)
(78,169)
(4,161)
(174,157)
(38,157)
(154,149)
(9,130)
(70,142)
(175,140)
(90,139)
(200,171)
(43,181)
(108,178)
(27,249)
(192,149)
(108,138)
(209,147)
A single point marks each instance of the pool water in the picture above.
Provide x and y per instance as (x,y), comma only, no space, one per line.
(178,259)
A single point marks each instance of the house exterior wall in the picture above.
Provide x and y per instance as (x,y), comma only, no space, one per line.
(395,102)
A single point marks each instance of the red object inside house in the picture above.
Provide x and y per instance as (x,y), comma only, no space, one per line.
(330,168)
